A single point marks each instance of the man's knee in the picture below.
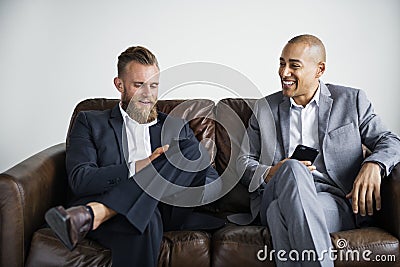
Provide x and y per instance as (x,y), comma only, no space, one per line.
(292,169)
(292,175)
(293,165)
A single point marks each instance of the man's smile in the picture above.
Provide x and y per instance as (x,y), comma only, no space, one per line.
(146,103)
(287,84)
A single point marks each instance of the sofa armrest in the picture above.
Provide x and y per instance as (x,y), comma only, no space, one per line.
(388,217)
(27,190)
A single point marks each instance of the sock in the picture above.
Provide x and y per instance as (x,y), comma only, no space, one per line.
(90,210)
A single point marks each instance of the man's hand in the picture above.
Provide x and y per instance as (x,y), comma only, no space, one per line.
(275,168)
(366,185)
(140,164)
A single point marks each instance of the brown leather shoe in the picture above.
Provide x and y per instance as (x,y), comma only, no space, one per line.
(70,225)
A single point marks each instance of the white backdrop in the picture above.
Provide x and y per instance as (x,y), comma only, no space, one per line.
(55,53)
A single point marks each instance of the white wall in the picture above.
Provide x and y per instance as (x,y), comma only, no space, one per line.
(55,53)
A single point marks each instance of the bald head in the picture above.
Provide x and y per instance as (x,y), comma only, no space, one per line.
(301,64)
(316,47)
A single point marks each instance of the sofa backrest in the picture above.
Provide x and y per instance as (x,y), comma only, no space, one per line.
(232,116)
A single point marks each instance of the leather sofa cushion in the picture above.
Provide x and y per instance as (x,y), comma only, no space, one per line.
(178,248)
(185,248)
(382,245)
(239,245)
(47,250)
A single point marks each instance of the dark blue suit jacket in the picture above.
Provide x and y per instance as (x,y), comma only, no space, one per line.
(95,158)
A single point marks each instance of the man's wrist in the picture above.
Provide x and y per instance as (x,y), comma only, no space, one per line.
(382,170)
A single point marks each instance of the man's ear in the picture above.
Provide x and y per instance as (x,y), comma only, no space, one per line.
(321,69)
(118,84)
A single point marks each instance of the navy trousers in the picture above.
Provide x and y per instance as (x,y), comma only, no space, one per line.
(134,235)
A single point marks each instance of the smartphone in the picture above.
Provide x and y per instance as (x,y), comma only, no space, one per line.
(303,152)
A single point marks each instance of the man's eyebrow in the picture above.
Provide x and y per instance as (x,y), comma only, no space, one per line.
(146,82)
(291,60)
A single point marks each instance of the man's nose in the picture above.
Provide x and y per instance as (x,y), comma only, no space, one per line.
(145,89)
(286,71)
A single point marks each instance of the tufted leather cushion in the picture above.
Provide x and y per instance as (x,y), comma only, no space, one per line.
(47,250)
(176,248)
(185,248)
(381,244)
(239,245)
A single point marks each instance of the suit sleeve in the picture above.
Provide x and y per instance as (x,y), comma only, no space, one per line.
(248,164)
(85,177)
(385,145)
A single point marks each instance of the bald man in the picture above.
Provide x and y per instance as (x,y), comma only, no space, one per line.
(303,201)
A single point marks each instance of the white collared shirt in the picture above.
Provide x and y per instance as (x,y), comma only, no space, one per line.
(138,139)
(304,123)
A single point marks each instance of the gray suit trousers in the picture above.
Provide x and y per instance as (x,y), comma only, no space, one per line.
(300,213)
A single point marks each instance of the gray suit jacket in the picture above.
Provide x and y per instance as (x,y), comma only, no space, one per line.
(346,120)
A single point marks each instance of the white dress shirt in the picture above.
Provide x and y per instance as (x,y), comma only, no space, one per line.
(304,124)
(138,139)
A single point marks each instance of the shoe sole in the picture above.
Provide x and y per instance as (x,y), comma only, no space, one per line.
(59,222)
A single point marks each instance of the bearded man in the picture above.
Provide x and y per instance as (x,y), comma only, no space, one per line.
(109,151)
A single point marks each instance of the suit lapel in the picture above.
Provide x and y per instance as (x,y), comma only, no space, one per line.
(116,123)
(325,106)
(284,119)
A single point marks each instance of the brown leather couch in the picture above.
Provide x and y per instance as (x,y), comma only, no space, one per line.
(30,188)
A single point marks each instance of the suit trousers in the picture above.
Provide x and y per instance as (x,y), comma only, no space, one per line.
(134,235)
(300,214)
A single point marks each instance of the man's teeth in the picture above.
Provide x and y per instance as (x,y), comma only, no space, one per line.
(288,82)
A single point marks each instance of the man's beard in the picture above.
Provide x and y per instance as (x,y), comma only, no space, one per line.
(140,115)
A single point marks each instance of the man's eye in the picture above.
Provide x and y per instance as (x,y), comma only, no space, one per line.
(154,86)
(295,66)
(282,64)
(137,85)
